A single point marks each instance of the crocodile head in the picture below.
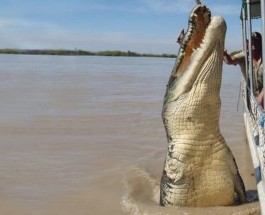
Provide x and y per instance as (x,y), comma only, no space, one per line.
(201,46)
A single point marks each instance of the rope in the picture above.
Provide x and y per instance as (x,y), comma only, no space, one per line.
(238,100)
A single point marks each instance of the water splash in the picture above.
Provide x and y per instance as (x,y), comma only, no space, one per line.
(142,198)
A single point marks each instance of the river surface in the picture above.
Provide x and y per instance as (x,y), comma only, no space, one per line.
(84,135)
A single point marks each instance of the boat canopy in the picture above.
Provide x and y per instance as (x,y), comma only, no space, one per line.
(254,9)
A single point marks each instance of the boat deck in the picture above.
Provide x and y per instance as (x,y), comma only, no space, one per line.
(255,155)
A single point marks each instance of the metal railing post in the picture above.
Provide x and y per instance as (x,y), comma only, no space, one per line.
(244,36)
(262,10)
(250,67)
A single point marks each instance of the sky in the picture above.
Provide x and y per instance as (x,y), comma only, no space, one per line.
(143,26)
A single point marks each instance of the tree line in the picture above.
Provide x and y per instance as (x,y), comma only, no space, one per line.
(77,52)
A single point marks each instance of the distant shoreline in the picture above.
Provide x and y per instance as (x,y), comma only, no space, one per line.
(78,52)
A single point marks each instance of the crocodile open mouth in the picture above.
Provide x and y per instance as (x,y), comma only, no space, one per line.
(199,20)
(203,38)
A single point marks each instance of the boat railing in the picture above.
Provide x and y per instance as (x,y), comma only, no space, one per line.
(255,126)
(254,114)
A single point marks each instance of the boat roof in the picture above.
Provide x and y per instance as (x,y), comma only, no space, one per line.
(255,9)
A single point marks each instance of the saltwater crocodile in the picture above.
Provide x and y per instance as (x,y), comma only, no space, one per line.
(199,168)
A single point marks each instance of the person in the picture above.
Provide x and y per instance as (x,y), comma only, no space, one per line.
(239,59)
(257,62)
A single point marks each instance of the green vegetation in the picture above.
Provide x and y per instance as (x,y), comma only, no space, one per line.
(80,53)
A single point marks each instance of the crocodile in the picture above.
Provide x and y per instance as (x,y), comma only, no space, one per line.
(199,169)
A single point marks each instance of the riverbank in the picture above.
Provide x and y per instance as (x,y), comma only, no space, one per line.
(78,52)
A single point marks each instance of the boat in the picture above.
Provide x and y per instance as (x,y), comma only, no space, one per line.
(254,114)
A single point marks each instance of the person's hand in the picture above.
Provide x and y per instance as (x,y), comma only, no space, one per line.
(260,98)
(225,56)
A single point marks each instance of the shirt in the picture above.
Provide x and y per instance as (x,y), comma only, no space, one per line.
(258,77)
